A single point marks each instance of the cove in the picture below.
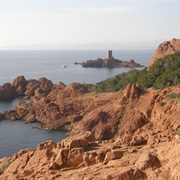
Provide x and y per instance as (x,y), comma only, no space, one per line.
(17,135)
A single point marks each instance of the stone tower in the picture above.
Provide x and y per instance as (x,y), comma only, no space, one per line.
(109,54)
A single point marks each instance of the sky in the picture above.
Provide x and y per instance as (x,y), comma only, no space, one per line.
(83,24)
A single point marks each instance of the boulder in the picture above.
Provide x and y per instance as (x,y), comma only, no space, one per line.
(148,160)
(75,157)
(94,156)
(61,159)
(81,140)
(112,155)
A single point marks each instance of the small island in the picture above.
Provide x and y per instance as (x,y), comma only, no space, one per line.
(109,62)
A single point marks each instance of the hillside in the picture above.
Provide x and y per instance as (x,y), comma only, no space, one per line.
(127,129)
(165,48)
(163,73)
(133,136)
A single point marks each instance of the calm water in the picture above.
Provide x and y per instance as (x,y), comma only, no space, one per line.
(36,64)
(16,135)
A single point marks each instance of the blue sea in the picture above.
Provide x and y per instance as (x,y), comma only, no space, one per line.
(36,64)
(16,135)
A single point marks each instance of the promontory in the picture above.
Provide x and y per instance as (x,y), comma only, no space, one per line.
(131,132)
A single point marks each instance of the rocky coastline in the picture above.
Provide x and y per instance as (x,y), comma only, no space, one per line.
(132,134)
(109,63)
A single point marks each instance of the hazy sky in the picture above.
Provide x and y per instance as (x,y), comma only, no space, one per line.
(54,22)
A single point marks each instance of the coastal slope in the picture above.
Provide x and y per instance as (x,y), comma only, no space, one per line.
(165,48)
(129,134)
(127,138)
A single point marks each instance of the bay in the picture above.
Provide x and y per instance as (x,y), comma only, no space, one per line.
(16,135)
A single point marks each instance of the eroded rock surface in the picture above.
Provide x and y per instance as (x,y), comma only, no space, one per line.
(129,135)
(94,160)
(22,87)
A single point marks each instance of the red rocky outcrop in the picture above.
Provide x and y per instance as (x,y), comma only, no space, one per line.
(22,87)
(8,92)
(122,135)
(20,84)
(98,160)
(167,47)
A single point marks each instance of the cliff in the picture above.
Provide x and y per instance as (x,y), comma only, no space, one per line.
(166,48)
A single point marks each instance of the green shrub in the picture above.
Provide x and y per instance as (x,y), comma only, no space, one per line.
(4,166)
(178,132)
(163,73)
(174,96)
(162,104)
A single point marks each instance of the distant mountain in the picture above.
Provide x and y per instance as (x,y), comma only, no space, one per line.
(88,46)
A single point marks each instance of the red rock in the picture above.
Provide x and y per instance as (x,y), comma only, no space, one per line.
(73,90)
(8,92)
(137,141)
(20,84)
(167,47)
(80,140)
(75,157)
(147,160)
(112,155)
(61,159)
(10,115)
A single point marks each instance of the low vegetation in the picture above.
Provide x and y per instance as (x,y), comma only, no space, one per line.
(163,73)
(4,166)
(174,96)
(162,104)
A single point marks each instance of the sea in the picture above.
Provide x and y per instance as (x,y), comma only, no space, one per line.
(57,66)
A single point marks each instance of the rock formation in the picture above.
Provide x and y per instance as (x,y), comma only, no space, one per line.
(109,63)
(83,157)
(75,109)
(22,87)
(112,135)
(7,91)
(129,135)
(167,47)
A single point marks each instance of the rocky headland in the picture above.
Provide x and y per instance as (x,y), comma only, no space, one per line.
(127,135)
(165,48)
(109,63)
